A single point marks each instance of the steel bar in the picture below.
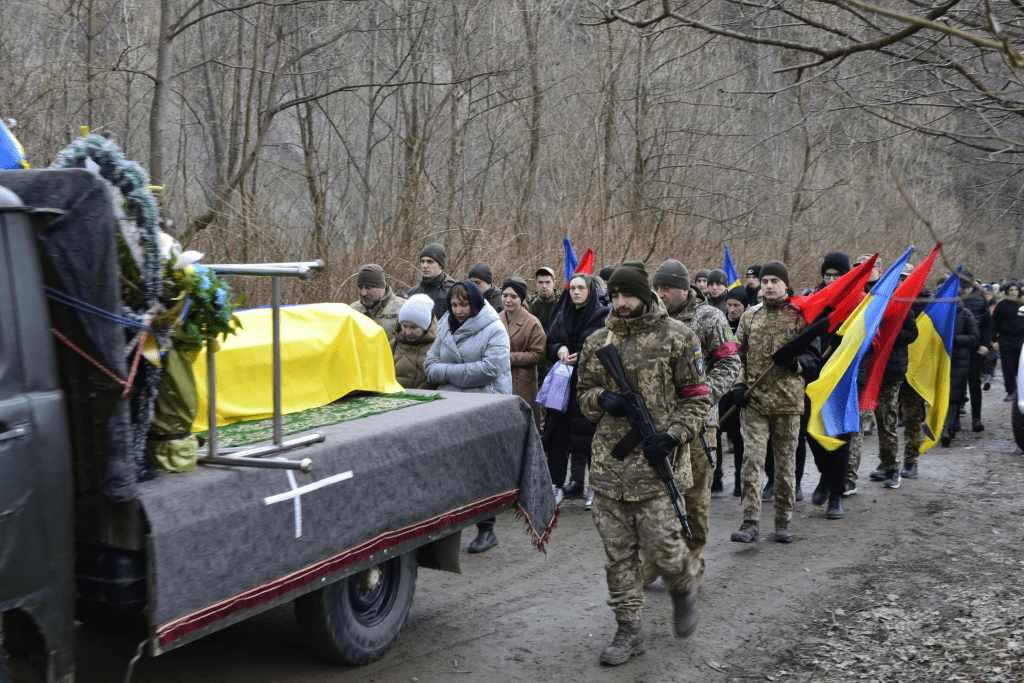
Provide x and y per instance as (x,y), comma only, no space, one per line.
(276,315)
(211,395)
(271,449)
(300,270)
(305,465)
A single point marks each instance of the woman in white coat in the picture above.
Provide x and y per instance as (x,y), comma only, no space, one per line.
(471,354)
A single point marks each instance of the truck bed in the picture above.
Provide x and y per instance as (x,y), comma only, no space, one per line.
(227,542)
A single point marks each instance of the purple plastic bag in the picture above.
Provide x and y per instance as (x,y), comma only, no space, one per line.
(554,393)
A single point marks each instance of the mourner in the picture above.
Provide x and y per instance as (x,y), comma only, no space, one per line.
(376,299)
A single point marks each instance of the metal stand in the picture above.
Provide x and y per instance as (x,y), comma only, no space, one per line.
(245,457)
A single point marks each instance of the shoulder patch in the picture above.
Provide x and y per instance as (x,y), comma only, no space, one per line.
(698,361)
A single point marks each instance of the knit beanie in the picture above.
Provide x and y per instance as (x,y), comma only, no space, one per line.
(631,278)
(702,273)
(671,273)
(754,270)
(518,286)
(739,294)
(836,260)
(370,275)
(776,268)
(718,275)
(481,271)
(436,252)
(606,273)
(418,310)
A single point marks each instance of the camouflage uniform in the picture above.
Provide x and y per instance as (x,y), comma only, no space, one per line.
(632,511)
(886,415)
(856,447)
(718,347)
(913,416)
(775,405)
(385,313)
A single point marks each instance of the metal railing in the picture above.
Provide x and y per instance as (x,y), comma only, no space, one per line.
(247,456)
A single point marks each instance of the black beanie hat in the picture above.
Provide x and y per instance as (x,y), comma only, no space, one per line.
(702,273)
(481,271)
(436,252)
(606,273)
(836,260)
(739,294)
(671,273)
(718,275)
(631,278)
(518,286)
(370,275)
(776,268)
(754,270)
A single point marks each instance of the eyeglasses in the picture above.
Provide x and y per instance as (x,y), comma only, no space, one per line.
(832,275)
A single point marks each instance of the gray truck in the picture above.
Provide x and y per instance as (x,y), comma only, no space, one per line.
(176,557)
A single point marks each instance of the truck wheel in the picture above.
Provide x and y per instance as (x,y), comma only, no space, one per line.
(358,619)
(1017,422)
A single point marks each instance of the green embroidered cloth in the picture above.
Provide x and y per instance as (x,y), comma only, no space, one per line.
(342,410)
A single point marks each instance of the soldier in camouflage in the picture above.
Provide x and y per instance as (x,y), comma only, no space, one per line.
(686,304)
(773,408)
(632,510)
(376,300)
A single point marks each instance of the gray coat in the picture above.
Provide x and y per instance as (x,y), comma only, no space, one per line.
(475,358)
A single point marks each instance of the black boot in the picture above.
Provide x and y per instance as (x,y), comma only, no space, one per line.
(485,538)
(684,612)
(628,641)
(748,532)
(820,494)
(835,506)
(574,490)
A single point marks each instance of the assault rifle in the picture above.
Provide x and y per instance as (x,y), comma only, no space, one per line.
(640,418)
(703,434)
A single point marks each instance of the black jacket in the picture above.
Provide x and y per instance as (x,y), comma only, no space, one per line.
(979,309)
(570,328)
(896,366)
(966,340)
(437,289)
(1007,325)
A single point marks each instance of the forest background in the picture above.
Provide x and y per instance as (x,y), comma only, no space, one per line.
(357,131)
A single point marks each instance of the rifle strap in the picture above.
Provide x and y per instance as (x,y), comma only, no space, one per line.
(627,443)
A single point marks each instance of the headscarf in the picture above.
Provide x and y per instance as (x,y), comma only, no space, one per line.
(577,318)
(476,303)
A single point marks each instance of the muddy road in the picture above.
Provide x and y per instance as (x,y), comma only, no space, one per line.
(922,583)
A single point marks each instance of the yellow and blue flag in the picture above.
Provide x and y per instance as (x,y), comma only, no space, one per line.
(730,270)
(12,154)
(835,403)
(930,357)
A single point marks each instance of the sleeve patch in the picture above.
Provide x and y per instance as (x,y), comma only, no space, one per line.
(694,390)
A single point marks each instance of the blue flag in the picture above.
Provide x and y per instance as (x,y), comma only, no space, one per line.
(570,259)
(730,270)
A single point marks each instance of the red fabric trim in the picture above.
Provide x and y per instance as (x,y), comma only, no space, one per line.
(695,390)
(182,626)
(726,349)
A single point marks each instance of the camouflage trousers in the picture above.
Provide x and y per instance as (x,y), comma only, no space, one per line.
(698,507)
(913,416)
(783,431)
(886,415)
(626,528)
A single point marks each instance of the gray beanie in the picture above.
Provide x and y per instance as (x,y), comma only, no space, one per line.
(418,310)
(436,252)
(481,271)
(370,275)
(671,273)
(718,275)
(702,273)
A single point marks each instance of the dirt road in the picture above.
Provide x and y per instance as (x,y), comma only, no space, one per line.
(922,583)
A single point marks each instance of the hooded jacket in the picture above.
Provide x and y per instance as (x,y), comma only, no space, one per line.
(474,356)
(662,361)
(409,357)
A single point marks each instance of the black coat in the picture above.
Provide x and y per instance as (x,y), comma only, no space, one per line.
(896,366)
(966,340)
(570,328)
(1007,325)
(979,308)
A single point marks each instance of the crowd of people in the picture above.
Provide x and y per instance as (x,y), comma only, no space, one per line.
(699,352)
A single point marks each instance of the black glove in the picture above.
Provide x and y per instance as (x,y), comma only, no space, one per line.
(614,404)
(786,359)
(657,448)
(738,398)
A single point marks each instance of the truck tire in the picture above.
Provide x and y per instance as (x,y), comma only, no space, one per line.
(1017,422)
(357,619)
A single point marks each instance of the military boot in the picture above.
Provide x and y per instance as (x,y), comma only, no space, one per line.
(748,533)
(820,494)
(782,532)
(628,641)
(835,506)
(684,611)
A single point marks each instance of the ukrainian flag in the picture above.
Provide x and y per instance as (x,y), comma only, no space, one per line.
(730,270)
(930,357)
(835,403)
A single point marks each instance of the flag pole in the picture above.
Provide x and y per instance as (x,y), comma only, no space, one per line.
(732,410)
